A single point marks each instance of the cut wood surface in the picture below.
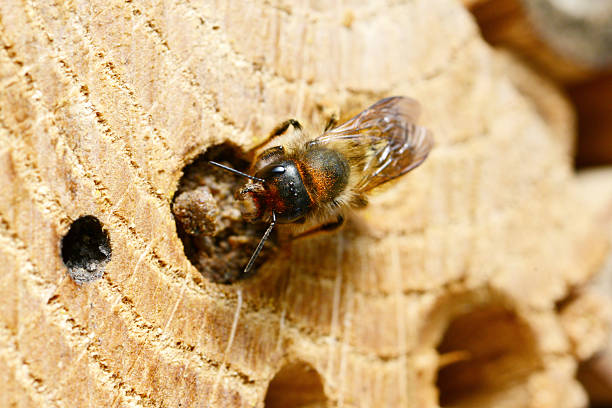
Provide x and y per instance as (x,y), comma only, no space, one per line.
(596,373)
(566,41)
(454,286)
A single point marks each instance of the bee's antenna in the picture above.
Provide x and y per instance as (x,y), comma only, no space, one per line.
(236,171)
(249,266)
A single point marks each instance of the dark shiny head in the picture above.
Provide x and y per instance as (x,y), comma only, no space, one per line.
(282,192)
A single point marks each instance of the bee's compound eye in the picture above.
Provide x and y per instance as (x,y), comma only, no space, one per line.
(277,170)
(273,172)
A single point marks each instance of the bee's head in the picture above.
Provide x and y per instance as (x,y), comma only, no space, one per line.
(280,190)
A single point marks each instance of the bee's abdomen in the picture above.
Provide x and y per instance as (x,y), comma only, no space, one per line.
(325,173)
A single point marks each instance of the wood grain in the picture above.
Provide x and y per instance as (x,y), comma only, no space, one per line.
(103,103)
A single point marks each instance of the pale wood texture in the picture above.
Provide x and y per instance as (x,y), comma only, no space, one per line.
(566,41)
(547,34)
(461,264)
(596,374)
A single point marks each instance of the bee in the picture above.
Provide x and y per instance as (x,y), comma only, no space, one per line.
(317,179)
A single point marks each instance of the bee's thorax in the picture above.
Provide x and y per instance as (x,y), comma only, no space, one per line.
(325,173)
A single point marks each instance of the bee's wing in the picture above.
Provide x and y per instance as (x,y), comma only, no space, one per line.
(384,140)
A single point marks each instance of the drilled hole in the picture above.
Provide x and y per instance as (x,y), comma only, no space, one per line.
(217,240)
(296,385)
(594,377)
(86,249)
(484,354)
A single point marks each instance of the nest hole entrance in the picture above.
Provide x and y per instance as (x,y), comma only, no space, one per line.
(296,385)
(86,249)
(593,376)
(486,355)
(216,239)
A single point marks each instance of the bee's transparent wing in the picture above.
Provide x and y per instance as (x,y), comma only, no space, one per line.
(383,140)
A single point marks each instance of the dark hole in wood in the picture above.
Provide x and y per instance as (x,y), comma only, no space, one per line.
(86,249)
(485,353)
(296,385)
(216,239)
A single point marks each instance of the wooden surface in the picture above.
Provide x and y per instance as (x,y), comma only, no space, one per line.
(566,41)
(596,373)
(103,103)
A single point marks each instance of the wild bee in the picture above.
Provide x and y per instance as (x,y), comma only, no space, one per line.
(317,179)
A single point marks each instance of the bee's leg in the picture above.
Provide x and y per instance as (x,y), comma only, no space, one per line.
(282,128)
(327,227)
(279,130)
(331,122)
